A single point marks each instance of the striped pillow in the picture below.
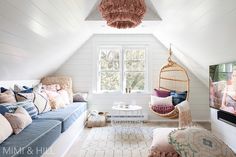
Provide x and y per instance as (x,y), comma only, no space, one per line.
(27,105)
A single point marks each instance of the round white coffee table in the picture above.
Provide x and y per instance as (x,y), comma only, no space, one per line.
(130,116)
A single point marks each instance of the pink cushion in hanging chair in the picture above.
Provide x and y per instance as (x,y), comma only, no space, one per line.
(161,93)
(163,109)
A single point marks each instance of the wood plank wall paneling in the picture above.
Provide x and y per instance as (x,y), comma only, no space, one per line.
(82,69)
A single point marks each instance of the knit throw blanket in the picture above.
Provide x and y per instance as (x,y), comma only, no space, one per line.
(185,117)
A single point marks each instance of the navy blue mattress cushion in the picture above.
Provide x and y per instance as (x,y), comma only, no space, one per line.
(66,115)
(33,141)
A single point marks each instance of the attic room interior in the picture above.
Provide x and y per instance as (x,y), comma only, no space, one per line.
(117,78)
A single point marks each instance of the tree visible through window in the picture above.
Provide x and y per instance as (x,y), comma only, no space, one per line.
(121,68)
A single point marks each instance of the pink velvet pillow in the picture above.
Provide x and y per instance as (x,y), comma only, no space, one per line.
(161,93)
(163,109)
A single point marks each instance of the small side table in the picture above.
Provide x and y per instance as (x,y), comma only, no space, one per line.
(129,117)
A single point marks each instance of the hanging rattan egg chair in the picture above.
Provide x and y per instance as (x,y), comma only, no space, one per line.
(172,77)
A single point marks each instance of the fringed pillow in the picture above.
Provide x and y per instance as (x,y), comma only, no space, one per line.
(160,146)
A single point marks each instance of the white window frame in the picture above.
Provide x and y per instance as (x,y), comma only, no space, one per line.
(122,69)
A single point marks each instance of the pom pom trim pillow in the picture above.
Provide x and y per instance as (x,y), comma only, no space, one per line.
(160,146)
(198,142)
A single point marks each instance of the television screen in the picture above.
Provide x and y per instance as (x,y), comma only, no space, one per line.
(223,87)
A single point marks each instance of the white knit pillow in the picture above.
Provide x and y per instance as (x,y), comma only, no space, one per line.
(6,129)
(161,101)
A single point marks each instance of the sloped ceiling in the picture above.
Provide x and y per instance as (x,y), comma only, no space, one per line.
(37,36)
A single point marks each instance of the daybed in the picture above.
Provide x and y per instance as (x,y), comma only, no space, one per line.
(43,132)
(51,133)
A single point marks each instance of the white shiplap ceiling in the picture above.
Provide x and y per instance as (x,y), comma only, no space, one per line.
(37,36)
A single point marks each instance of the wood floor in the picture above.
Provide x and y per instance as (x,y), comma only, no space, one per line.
(119,142)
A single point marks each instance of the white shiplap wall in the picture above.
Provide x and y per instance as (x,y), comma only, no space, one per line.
(82,68)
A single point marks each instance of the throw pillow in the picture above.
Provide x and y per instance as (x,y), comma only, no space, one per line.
(38,88)
(161,101)
(64,82)
(55,99)
(163,109)
(40,100)
(178,97)
(7,97)
(161,93)
(26,89)
(3,109)
(80,97)
(6,129)
(65,96)
(52,87)
(2,90)
(22,89)
(57,102)
(28,105)
(19,120)
(160,146)
(198,142)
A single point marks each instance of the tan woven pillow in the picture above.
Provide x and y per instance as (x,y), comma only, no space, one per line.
(7,97)
(19,120)
(6,129)
(64,82)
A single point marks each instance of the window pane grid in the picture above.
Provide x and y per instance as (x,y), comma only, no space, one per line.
(122,68)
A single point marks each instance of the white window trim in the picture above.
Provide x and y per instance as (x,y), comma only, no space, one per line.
(122,71)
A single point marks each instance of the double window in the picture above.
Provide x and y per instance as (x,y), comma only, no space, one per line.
(122,69)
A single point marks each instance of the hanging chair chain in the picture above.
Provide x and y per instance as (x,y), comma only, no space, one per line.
(170,55)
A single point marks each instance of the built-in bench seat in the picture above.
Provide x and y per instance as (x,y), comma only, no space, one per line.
(67,115)
(33,141)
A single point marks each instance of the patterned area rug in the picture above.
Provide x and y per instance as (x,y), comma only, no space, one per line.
(116,142)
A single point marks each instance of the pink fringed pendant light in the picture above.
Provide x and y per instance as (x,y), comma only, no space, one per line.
(123,13)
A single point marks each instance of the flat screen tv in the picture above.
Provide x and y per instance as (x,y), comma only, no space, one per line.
(223,87)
